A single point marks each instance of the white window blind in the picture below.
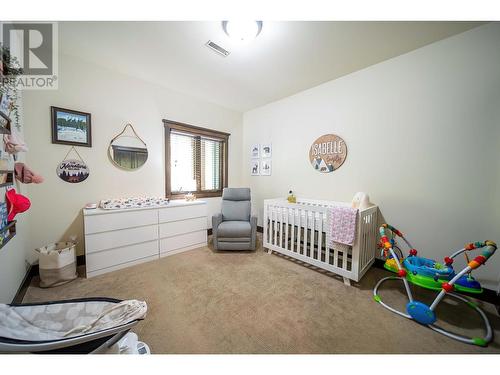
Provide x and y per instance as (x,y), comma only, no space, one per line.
(195,163)
(211,151)
(182,162)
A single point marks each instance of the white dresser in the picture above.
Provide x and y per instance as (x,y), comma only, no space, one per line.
(116,239)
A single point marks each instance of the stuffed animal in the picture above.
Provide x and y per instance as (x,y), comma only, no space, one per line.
(361,201)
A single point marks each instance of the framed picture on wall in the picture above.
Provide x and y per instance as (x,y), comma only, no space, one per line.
(255,167)
(266,150)
(265,167)
(71,127)
(255,151)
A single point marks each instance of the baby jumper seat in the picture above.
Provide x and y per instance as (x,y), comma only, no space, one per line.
(432,275)
(427,267)
(86,325)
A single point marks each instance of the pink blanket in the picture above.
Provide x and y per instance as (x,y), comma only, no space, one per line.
(341,225)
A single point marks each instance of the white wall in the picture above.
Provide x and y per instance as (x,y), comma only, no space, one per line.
(421,131)
(113,100)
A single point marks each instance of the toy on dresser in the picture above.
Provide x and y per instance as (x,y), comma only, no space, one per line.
(190,197)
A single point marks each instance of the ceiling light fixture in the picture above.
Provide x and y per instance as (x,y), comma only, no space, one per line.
(242,31)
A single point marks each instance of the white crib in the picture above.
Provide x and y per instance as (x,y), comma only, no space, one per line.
(298,230)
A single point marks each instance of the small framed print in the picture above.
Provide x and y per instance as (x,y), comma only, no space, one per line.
(266,150)
(265,167)
(71,127)
(255,151)
(255,167)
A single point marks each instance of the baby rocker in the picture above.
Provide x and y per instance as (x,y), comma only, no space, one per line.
(432,275)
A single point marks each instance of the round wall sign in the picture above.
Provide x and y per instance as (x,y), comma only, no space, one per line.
(328,153)
(72,170)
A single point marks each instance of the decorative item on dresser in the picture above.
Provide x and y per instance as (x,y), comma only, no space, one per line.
(117,239)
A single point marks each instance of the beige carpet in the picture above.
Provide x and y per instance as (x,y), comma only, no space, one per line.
(201,301)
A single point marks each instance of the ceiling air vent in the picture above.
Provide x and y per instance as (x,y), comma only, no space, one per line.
(215,47)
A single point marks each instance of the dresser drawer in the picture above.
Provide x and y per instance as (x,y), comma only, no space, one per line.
(175,228)
(183,240)
(182,213)
(120,255)
(107,240)
(119,220)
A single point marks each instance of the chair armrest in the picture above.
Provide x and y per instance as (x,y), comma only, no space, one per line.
(253,222)
(216,220)
(253,239)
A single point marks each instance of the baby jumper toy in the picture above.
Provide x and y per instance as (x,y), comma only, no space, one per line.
(432,275)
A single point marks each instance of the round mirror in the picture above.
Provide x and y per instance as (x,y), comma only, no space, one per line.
(128,151)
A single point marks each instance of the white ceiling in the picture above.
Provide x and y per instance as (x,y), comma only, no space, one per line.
(287,57)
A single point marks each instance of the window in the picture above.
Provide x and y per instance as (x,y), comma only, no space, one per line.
(195,160)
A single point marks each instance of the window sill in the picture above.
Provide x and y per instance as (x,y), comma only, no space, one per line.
(214,194)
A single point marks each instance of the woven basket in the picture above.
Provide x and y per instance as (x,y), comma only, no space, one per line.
(57,264)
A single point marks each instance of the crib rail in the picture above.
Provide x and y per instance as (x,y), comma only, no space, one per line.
(299,230)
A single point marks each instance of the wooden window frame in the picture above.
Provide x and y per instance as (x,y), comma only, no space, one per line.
(202,132)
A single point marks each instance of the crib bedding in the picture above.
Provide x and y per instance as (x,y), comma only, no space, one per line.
(341,225)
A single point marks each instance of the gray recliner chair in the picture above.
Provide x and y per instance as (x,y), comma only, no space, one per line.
(234,228)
